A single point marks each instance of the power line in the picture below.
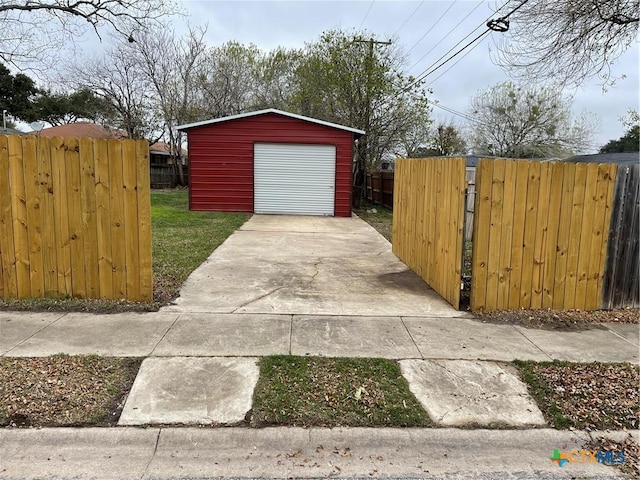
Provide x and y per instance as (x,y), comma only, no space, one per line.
(408,18)
(457,113)
(435,66)
(450,32)
(459,42)
(456,62)
(466,117)
(366,14)
(432,27)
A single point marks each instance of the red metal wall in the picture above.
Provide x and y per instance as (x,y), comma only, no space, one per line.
(221,159)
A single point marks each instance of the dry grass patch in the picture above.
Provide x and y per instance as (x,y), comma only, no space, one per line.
(64,390)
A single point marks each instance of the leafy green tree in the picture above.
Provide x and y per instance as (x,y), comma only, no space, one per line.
(526,122)
(227,83)
(64,108)
(446,139)
(16,94)
(275,75)
(629,142)
(442,139)
(353,81)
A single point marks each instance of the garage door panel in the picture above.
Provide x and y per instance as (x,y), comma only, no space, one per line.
(294,179)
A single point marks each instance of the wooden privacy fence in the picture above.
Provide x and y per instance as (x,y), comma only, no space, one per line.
(428,221)
(545,234)
(621,286)
(380,188)
(75,218)
(540,234)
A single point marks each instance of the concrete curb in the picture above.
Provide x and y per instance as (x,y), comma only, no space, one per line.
(166,453)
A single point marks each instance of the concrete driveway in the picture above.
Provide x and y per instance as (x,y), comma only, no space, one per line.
(301,265)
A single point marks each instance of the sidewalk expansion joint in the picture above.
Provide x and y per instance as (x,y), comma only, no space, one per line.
(532,343)
(163,336)
(411,337)
(618,335)
(291,334)
(33,335)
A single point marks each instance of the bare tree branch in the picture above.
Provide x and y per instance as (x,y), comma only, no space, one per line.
(567,41)
(527,122)
(33,31)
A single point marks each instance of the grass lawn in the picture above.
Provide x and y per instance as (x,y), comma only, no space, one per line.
(328,392)
(382,220)
(181,240)
(64,391)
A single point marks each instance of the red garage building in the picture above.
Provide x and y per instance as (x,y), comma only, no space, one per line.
(270,161)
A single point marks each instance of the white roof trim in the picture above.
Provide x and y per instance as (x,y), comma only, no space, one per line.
(269,110)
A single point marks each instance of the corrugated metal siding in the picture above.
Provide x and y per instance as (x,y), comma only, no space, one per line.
(221,159)
(294,179)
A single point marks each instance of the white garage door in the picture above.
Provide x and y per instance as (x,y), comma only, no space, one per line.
(294,179)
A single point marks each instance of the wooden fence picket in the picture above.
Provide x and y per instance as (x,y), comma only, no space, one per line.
(75,218)
(429,203)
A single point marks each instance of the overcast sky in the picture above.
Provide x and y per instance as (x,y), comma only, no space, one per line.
(269,24)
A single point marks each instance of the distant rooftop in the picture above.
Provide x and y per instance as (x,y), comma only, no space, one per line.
(10,131)
(82,130)
(620,158)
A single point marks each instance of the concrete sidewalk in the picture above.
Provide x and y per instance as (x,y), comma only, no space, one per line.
(172,453)
(202,369)
(255,335)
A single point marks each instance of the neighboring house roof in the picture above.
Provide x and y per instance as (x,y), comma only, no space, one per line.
(94,130)
(270,110)
(161,148)
(627,157)
(82,130)
(10,131)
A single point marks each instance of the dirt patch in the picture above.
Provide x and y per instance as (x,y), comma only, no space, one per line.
(84,305)
(564,320)
(587,396)
(64,391)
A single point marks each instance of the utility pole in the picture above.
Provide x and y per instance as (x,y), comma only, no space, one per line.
(363,149)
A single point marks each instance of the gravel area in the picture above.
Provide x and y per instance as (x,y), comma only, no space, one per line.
(63,390)
(560,319)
